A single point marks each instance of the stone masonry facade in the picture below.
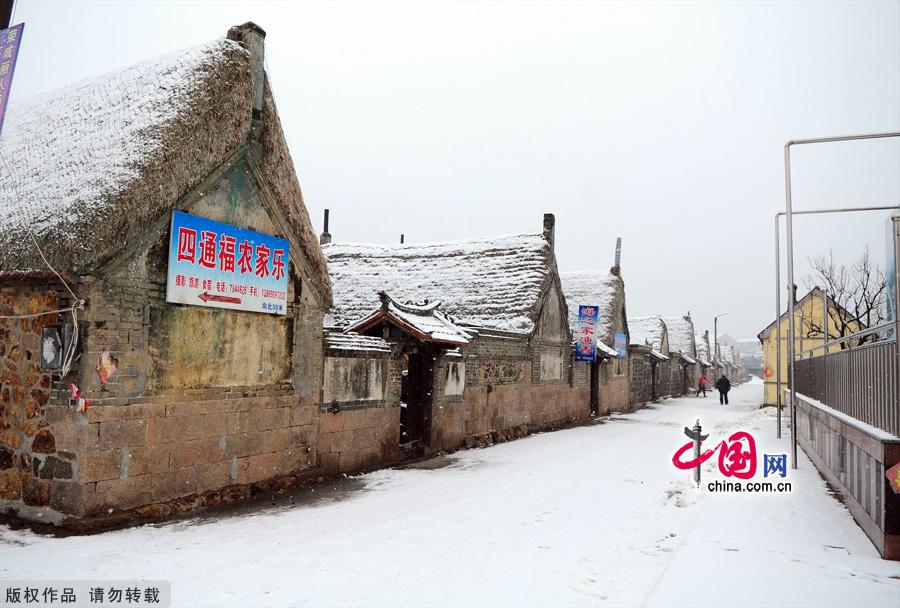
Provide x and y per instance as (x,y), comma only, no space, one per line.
(32,460)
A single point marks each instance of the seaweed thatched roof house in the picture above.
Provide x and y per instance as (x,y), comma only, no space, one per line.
(609,378)
(652,332)
(680,331)
(604,290)
(480,339)
(134,412)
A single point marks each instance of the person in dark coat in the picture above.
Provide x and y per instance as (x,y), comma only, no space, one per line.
(724,385)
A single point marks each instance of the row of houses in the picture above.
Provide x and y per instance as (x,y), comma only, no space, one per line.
(120,399)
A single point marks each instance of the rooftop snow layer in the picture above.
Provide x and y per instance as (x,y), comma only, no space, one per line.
(647,331)
(351,341)
(593,288)
(492,283)
(681,335)
(71,151)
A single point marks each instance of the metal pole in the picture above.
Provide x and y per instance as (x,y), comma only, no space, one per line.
(790,272)
(841,210)
(778,323)
(788,211)
(824,140)
(825,336)
(896,221)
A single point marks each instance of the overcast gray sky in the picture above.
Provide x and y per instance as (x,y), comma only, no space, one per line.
(660,123)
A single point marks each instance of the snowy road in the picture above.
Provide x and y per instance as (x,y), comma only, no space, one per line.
(591,516)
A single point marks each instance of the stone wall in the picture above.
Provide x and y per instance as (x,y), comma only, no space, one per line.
(32,460)
(359,428)
(503,397)
(640,377)
(614,394)
(663,378)
(165,448)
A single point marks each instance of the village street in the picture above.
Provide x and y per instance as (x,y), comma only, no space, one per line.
(595,515)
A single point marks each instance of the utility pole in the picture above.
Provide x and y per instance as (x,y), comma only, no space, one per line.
(716,340)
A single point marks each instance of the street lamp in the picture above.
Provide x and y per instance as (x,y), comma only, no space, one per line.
(716,340)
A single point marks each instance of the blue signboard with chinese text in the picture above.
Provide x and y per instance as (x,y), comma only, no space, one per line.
(222,266)
(586,338)
(10,39)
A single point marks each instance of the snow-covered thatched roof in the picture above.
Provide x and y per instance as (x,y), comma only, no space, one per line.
(91,165)
(726,354)
(681,335)
(492,283)
(647,331)
(602,289)
(702,349)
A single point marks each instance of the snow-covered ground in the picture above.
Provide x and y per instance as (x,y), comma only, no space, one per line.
(595,515)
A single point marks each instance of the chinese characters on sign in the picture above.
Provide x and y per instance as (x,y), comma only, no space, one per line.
(9,51)
(222,266)
(585,340)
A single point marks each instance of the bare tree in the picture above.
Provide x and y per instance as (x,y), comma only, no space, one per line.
(859,292)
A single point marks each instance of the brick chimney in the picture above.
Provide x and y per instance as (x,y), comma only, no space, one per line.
(550,229)
(325,237)
(253,38)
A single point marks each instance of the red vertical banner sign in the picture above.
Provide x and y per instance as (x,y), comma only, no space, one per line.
(9,51)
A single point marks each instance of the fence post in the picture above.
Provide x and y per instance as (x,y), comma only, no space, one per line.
(895,218)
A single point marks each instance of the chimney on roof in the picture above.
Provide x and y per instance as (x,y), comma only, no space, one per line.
(253,38)
(325,237)
(401,238)
(687,317)
(550,229)
(616,270)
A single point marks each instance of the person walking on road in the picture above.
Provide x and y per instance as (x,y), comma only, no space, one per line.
(702,386)
(724,385)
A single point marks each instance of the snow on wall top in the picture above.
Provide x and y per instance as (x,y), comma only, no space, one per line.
(681,335)
(74,152)
(492,283)
(602,289)
(647,331)
(355,342)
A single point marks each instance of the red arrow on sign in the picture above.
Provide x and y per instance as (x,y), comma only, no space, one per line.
(206,297)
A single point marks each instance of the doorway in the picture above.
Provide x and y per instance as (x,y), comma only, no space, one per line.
(416,395)
(595,388)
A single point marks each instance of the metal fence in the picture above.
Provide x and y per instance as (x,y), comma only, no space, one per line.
(859,381)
